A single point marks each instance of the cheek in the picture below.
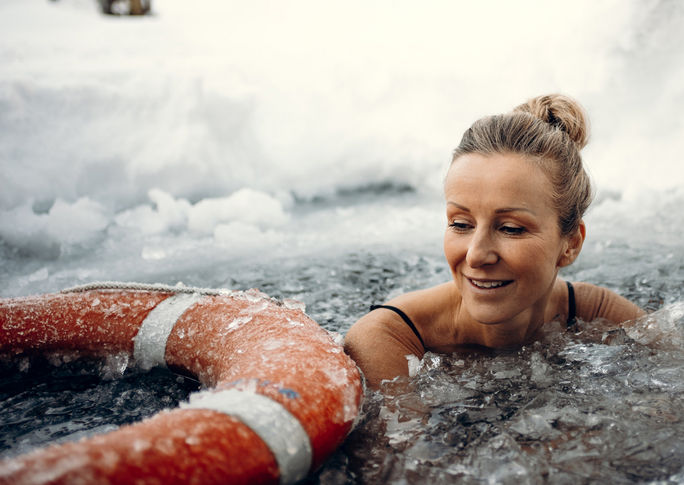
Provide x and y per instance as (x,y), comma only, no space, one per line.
(454,249)
(535,257)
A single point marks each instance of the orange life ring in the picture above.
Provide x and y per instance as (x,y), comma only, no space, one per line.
(281,397)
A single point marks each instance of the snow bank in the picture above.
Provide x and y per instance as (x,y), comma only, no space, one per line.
(193,130)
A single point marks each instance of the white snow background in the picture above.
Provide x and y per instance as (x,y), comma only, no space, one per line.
(184,145)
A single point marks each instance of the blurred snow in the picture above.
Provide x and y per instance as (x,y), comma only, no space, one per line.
(231,131)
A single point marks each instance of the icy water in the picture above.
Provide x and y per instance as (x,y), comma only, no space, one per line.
(300,150)
(597,404)
(47,401)
(574,408)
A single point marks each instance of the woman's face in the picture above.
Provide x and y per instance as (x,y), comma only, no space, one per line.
(502,242)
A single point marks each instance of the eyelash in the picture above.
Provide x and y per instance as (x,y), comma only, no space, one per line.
(512,231)
(508,230)
(460,226)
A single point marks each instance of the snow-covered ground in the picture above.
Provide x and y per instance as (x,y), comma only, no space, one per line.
(137,148)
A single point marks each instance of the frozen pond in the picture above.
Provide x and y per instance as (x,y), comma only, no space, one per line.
(300,151)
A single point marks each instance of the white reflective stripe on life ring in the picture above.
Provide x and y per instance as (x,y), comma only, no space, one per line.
(149,345)
(275,425)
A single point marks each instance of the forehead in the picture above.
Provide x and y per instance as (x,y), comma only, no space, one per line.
(504,179)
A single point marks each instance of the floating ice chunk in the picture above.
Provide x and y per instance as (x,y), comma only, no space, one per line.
(77,222)
(115,365)
(143,218)
(663,328)
(429,361)
(168,214)
(413,364)
(174,212)
(59,358)
(540,371)
(47,235)
(246,205)
(506,374)
(534,426)
(400,430)
(23,229)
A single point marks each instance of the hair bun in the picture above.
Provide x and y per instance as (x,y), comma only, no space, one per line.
(562,112)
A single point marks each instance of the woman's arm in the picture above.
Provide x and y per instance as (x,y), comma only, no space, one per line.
(379,343)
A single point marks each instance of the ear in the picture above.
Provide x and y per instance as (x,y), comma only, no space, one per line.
(574,246)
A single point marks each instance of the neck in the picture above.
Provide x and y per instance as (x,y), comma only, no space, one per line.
(509,334)
(517,331)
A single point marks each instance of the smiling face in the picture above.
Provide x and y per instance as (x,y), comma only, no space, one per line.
(503,241)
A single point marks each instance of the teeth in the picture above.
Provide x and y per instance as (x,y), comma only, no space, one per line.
(487,284)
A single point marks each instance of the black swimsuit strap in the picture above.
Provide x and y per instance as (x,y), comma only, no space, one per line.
(572,310)
(404,317)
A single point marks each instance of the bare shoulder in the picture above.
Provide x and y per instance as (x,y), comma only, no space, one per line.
(380,345)
(597,302)
(380,340)
(427,305)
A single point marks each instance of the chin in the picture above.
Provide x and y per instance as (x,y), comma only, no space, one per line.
(486,318)
(492,316)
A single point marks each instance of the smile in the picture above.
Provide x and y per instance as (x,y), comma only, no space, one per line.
(489,284)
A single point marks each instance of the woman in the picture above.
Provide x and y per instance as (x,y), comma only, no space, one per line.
(515,194)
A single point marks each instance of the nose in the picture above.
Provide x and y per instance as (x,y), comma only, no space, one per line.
(482,249)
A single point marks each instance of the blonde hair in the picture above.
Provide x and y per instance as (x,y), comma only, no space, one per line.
(550,131)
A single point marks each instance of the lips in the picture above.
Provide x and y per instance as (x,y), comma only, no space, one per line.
(489,284)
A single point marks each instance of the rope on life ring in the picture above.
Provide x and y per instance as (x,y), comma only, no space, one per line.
(281,394)
(120,285)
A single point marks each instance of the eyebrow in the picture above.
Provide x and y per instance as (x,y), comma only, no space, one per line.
(503,210)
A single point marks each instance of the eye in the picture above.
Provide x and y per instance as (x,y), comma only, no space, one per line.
(512,230)
(460,226)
